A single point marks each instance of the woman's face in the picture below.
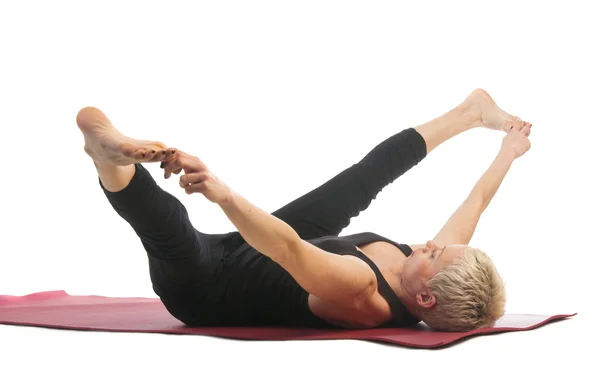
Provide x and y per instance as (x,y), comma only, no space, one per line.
(425,263)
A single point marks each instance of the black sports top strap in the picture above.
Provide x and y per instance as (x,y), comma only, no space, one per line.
(402,317)
(368,237)
(348,245)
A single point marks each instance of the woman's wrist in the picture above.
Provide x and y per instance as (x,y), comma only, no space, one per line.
(227,199)
(506,155)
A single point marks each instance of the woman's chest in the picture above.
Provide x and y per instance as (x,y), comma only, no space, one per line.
(381,253)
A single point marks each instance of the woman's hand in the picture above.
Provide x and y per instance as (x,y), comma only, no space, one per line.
(197,177)
(516,142)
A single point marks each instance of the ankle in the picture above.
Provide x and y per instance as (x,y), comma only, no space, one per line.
(115,178)
(104,167)
(470,114)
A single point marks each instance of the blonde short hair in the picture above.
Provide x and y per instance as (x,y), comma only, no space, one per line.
(469,294)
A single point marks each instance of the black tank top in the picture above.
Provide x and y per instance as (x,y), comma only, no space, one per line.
(252,289)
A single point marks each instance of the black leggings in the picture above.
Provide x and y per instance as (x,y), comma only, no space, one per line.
(183,261)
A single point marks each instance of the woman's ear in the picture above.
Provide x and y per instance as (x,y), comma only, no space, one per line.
(425,300)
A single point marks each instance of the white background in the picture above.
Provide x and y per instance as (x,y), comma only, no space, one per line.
(277,97)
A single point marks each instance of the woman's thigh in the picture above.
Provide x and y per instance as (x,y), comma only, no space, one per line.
(183,283)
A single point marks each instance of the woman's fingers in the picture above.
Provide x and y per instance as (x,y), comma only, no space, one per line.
(194,182)
(191,179)
(169,168)
(167,155)
(169,172)
(173,163)
(195,188)
(183,160)
(519,126)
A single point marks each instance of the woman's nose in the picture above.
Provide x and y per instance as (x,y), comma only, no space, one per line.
(431,245)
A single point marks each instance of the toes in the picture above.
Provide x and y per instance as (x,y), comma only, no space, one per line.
(166,155)
(140,154)
(515,125)
(147,151)
(145,154)
(169,154)
(152,154)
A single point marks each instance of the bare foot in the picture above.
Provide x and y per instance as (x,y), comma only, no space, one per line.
(107,146)
(492,116)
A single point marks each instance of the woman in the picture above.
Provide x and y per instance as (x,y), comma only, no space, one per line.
(290,268)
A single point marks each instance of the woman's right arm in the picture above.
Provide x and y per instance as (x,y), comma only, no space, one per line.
(459,229)
(343,280)
(346,281)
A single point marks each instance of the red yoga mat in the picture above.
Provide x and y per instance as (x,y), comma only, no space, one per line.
(57,309)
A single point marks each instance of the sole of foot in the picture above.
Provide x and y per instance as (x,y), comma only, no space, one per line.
(107,146)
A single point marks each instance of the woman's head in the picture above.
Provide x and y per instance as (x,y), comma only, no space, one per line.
(454,288)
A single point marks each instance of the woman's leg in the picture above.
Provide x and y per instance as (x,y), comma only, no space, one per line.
(327,210)
(179,256)
(181,260)
(157,217)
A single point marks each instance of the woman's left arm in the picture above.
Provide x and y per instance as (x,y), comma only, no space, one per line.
(460,227)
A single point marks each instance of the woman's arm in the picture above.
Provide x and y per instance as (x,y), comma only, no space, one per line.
(331,277)
(262,231)
(459,229)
